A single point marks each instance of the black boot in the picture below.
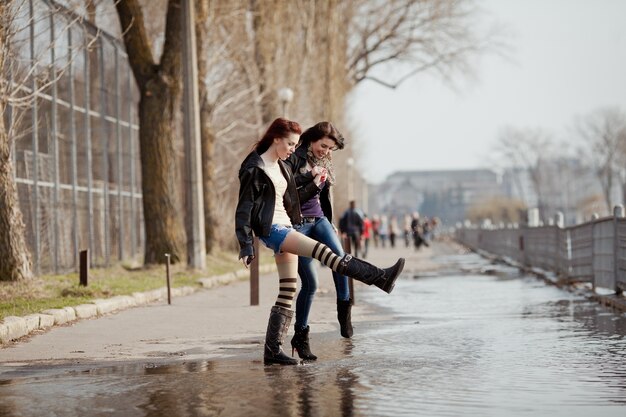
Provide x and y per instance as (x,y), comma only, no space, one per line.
(385,279)
(279,321)
(344,315)
(300,343)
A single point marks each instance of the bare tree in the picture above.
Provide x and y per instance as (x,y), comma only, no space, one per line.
(604,138)
(15,261)
(496,209)
(159,83)
(527,151)
(620,160)
(248,49)
(230,114)
(420,35)
(238,41)
(23,77)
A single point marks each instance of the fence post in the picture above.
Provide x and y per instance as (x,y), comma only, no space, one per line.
(254,275)
(533,217)
(167,278)
(594,217)
(84,267)
(618,212)
(347,248)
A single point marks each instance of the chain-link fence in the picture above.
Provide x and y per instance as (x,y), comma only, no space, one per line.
(75,145)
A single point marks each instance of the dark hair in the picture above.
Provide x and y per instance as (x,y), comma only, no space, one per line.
(319,131)
(280,128)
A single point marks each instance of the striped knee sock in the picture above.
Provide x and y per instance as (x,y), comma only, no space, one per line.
(288,282)
(314,249)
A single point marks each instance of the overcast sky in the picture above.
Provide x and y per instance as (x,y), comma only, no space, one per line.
(569,58)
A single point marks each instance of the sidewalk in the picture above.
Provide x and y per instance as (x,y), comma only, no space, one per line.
(216,322)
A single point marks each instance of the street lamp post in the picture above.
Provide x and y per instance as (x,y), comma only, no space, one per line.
(365,193)
(196,245)
(350,162)
(285,95)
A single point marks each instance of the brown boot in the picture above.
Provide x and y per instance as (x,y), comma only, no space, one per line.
(277,326)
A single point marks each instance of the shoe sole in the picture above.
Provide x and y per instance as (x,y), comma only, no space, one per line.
(272,362)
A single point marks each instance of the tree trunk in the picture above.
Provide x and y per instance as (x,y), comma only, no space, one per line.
(160,178)
(261,40)
(208,177)
(14,255)
(160,87)
(15,258)
(207,136)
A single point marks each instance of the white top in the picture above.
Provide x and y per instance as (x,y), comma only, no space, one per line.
(272,169)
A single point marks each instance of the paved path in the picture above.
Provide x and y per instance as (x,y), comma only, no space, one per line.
(209,323)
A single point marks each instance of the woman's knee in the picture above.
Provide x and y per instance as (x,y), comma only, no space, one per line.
(326,234)
(308,278)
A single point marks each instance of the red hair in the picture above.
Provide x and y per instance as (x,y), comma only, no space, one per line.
(280,128)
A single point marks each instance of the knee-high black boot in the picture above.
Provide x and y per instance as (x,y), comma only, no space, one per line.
(277,327)
(344,315)
(385,279)
(300,343)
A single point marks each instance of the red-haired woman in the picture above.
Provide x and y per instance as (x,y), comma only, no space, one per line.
(268,207)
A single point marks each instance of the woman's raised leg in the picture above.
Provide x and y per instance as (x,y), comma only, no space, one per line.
(301,245)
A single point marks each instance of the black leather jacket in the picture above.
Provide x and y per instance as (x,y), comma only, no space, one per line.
(304,181)
(257,198)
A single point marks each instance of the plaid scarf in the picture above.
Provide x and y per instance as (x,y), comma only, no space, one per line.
(326,162)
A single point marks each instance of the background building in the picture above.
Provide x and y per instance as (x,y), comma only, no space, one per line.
(446,194)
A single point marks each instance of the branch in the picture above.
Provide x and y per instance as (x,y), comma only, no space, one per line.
(136,40)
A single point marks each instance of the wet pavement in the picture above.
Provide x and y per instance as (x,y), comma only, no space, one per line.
(458,336)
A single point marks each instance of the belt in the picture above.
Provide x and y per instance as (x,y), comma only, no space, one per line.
(309,219)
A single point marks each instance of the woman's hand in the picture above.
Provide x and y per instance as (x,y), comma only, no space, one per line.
(316,170)
(247,260)
(320,175)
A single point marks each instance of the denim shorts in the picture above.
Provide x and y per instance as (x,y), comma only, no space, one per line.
(277,236)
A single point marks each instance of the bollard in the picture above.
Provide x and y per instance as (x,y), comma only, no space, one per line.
(84,267)
(167,274)
(618,212)
(559,219)
(533,217)
(347,249)
(254,275)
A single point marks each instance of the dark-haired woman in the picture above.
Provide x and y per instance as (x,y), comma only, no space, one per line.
(268,207)
(312,168)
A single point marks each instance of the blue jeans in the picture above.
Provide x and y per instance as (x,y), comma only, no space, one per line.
(323,232)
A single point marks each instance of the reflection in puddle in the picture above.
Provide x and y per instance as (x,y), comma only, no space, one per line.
(202,388)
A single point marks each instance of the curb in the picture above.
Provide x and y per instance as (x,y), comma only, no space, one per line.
(230,277)
(13,327)
(614,301)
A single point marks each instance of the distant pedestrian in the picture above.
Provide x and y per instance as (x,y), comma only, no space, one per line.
(268,207)
(416,227)
(367,233)
(393,231)
(383,229)
(375,227)
(407,231)
(351,225)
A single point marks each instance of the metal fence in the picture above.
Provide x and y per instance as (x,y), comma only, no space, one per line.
(593,252)
(75,147)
